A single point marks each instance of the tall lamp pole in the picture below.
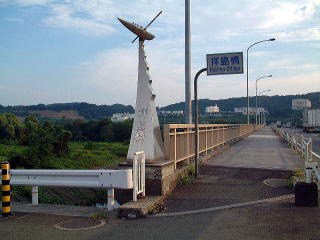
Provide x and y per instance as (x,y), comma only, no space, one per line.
(261,103)
(188,105)
(267,40)
(257,96)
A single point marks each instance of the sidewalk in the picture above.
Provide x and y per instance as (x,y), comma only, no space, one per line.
(237,175)
(262,149)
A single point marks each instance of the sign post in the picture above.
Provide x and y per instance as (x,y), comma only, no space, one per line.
(217,64)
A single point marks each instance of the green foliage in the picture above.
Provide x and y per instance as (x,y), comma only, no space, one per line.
(99,215)
(191,170)
(10,128)
(44,141)
(102,130)
(90,155)
(184,179)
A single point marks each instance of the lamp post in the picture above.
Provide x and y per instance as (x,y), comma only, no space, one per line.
(261,104)
(257,96)
(267,40)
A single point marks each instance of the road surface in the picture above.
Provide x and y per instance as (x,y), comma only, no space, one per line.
(262,149)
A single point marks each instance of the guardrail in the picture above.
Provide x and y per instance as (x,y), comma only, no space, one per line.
(303,146)
(109,179)
(179,138)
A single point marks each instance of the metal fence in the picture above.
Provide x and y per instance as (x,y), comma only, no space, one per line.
(102,178)
(179,138)
(303,146)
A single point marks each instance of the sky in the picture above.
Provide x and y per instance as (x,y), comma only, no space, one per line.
(77,50)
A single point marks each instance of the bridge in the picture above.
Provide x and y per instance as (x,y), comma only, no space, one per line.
(240,146)
(235,163)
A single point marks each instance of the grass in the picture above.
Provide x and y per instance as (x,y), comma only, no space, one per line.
(82,155)
(187,178)
(91,155)
(297,175)
(6,150)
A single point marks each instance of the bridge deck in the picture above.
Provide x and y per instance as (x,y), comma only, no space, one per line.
(262,149)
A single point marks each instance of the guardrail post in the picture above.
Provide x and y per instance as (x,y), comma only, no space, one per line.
(138,175)
(35,194)
(308,175)
(110,204)
(5,188)
(135,178)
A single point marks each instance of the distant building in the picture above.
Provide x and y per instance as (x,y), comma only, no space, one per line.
(252,110)
(120,117)
(212,109)
(300,104)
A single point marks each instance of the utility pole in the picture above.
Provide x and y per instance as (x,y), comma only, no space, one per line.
(188,106)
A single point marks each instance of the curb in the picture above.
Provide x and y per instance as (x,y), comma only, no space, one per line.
(230,206)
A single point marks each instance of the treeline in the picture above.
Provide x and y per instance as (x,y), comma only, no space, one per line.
(86,110)
(44,141)
(41,140)
(102,130)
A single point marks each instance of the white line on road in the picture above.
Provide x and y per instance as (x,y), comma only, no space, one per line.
(235,205)
(315,135)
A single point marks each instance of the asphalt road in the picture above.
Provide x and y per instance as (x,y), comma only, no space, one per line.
(273,221)
(314,136)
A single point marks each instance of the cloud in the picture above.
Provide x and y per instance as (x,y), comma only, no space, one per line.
(291,65)
(289,13)
(308,34)
(115,72)
(64,17)
(26,3)
(296,84)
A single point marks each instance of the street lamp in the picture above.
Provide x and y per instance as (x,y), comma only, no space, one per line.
(261,104)
(267,40)
(257,96)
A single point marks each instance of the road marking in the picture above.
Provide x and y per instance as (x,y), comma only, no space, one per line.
(315,135)
(235,205)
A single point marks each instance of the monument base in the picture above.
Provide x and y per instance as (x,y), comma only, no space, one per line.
(161,178)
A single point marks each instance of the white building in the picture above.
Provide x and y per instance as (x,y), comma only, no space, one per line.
(300,104)
(120,117)
(212,109)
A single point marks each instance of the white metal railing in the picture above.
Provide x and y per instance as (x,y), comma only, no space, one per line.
(303,145)
(124,179)
(139,185)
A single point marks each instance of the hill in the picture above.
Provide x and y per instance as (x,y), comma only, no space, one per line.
(68,110)
(279,107)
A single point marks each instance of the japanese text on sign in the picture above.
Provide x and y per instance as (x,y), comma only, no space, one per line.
(225,63)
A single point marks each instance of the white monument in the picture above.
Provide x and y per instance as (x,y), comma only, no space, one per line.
(146,135)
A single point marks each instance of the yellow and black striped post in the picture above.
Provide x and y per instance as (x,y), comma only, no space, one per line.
(5,188)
